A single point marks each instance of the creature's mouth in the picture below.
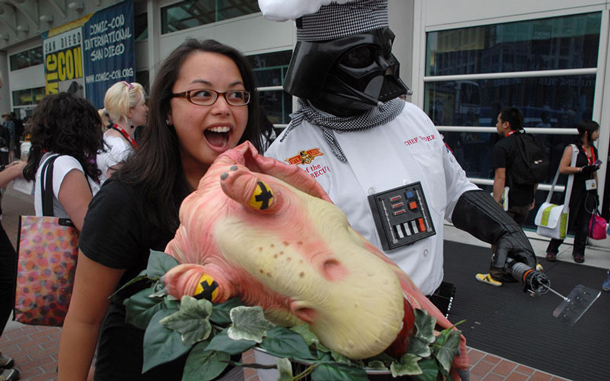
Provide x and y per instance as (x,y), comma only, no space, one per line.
(218,137)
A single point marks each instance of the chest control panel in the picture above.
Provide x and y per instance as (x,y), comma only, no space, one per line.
(401,216)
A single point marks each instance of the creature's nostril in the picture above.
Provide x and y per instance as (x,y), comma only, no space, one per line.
(333,270)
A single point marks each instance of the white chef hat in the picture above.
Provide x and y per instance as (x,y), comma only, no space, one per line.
(321,20)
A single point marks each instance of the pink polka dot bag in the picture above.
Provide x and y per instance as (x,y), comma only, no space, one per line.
(48,250)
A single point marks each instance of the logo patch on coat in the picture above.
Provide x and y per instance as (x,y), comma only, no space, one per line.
(305,156)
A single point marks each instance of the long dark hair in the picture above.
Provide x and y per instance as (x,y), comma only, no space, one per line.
(68,125)
(156,167)
(586,127)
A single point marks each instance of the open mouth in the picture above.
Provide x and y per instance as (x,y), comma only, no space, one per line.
(217,136)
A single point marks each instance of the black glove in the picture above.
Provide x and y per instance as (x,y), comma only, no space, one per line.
(588,169)
(477,213)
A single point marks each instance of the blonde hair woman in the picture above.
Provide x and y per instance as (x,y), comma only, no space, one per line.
(125,104)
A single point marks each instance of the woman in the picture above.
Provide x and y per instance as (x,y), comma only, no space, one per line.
(584,199)
(201,101)
(69,128)
(125,105)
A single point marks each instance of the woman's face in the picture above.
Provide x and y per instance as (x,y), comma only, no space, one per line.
(204,132)
(595,135)
(139,113)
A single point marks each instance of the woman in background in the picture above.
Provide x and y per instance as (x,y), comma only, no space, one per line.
(125,106)
(69,128)
(584,199)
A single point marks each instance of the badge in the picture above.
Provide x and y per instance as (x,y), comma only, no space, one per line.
(590,184)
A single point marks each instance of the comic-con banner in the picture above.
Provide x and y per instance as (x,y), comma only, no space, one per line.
(89,55)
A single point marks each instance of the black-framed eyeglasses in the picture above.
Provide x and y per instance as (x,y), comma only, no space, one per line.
(207,97)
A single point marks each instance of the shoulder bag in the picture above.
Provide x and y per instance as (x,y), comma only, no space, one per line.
(552,219)
(48,250)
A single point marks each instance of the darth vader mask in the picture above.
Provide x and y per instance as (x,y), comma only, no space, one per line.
(346,76)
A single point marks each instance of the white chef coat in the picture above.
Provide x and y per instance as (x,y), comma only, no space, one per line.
(404,151)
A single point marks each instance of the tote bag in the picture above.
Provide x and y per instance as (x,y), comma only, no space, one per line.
(552,219)
(48,249)
(597,226)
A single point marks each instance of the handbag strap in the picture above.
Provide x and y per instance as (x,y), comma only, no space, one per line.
(46,183)
(570,180)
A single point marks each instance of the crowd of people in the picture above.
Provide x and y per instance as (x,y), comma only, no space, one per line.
(203,102)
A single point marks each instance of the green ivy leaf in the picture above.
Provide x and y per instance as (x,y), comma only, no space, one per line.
(192,320)
(161,344)
(407,366)
(141,276)
(376,365)
(449,340)
(221,312)
(249,323)
(223,343)
(429,369)
(283,342)
(419,347)
(338,372)
(159,263)
(140,308)
(203,364)
(285,368)
(425,325)
(303,330)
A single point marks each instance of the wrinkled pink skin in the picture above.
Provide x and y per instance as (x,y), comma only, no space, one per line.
(214,239)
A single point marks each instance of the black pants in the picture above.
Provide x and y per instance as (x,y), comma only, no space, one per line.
(580,224)
(8,278)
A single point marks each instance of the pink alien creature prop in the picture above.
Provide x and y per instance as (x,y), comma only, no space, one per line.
(266,232)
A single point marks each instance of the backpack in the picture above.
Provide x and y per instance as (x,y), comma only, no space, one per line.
(531,165)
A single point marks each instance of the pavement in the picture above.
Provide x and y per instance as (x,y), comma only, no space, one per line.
(35,348)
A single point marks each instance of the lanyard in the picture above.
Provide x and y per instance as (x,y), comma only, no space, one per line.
(126,135)
(590,159)
(510,133)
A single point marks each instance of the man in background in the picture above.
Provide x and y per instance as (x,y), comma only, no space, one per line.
(520,196)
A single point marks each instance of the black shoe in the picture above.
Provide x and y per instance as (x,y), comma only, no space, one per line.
(9,375)
(6,362)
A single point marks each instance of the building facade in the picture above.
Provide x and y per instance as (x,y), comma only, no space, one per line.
(464,60)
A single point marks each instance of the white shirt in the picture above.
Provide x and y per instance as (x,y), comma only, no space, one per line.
(406,150)
(117,151)
(63,164)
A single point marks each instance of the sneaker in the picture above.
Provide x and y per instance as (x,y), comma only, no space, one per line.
(539,267)
(551,257)
(9,375)
(606,285)
(6,362)
(579,258)
(486,278)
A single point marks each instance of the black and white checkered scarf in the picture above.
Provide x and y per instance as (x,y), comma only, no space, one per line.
(370,119)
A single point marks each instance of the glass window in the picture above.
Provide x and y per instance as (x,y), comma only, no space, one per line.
(141,27)
(545,101)
(569,42)
(228,9)
(26,58)
(28,97)
(191,13)
(270,70)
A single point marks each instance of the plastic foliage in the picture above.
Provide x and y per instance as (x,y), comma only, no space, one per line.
(212,333)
